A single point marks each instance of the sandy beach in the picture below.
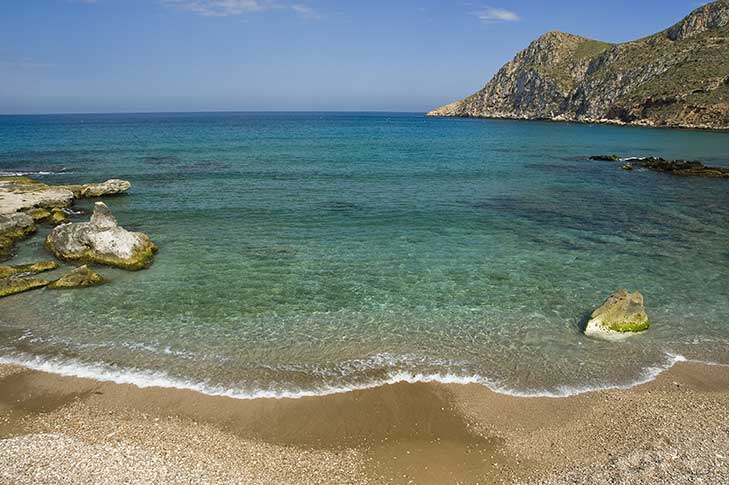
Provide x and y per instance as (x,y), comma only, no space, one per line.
(58,429)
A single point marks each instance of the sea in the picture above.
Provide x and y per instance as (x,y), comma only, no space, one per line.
(304,254)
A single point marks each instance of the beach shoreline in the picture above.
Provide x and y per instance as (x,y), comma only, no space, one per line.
(56,429)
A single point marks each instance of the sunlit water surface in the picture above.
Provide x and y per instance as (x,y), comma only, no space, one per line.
(311,253)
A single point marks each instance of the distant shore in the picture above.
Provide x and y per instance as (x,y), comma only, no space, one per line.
(56,429)
(589,121)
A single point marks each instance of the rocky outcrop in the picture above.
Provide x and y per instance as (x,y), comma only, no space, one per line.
(621,315)
(26,269)
(101,241)
(676,78)
(29,195)
(25,201)
(58,216)
(13,227)
(80,277)
(54,216)
(605,158)
(18,278)
(39,214)
(26,194)
(11,286)
(712,16)
(674,167)
(110,187)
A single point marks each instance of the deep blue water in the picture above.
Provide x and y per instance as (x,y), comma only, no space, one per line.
(311,252)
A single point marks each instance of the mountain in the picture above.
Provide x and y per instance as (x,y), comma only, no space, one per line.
(678,78)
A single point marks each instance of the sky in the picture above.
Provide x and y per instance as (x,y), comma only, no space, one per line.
(85,56)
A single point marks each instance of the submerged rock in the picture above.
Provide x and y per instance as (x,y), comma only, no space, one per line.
(13,227)
(101,241)
(680,167)
(11,286)
(674,167)
(80,277)
(605,158)
(621,315)
(110,187)
(33,268)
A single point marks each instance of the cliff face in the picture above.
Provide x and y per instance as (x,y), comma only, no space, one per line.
(678,77)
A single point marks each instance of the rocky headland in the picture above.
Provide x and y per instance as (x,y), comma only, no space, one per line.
(676,78)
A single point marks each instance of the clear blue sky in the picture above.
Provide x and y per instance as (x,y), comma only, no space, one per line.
(192,55)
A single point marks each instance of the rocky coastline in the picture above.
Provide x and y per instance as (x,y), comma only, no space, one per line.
(677,78)
(26,202)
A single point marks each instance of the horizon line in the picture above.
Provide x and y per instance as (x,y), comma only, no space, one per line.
(57,113)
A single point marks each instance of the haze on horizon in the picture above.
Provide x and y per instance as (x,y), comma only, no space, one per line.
(82,56)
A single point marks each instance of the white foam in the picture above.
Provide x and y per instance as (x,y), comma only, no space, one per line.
(145,379)
(22,173)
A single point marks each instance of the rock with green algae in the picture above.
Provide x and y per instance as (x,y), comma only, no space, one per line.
(55,215)
(39,214)
(33,268)
(24,193)
(13,227)
(58,216)
(622,315)
(80,277)
(101,241)
(11,286)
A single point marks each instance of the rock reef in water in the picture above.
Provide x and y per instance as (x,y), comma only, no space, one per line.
(676,78)
(18,278)
(11,286)
(25,201)
(58,216)
(23,269)
(110,187)
(674,167)
(26,194)
(605,158)
(13,227)
(101,241)
(623,314)
(80,277)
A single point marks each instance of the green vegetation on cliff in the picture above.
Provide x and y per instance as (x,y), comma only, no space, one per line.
(678,77)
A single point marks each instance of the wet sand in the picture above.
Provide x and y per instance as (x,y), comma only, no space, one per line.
(57,429)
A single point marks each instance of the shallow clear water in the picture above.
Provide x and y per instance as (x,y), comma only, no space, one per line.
(307,253)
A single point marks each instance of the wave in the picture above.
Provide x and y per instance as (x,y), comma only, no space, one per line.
(147,378)
(21,173)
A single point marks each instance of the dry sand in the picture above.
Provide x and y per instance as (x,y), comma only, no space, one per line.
(57,429)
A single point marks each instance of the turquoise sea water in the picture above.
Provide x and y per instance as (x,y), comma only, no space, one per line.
(315,252)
